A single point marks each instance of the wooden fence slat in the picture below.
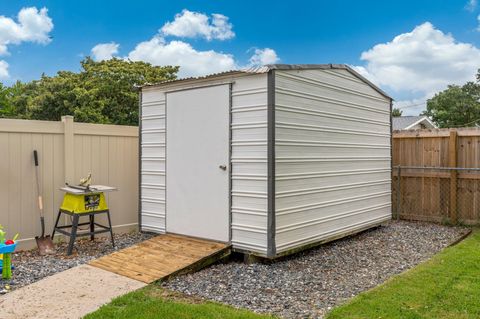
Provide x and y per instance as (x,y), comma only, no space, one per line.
(437,195)
(452,162)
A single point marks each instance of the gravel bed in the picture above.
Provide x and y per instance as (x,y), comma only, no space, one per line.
(31,267)
(309,284)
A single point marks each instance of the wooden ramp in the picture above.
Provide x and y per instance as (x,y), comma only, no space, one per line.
(162,256)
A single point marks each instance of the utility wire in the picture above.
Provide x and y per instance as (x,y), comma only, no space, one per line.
(408,106)
(466,124)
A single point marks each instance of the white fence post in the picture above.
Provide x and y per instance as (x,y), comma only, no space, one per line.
(69,150)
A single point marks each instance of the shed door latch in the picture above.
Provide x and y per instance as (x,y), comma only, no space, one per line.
(223,167)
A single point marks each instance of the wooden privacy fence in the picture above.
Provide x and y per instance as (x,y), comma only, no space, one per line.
(439,175)
(67,152)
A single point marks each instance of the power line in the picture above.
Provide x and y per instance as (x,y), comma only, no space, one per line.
(408,106)
(466,124)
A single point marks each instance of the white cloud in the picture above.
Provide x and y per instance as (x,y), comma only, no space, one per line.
(264,56)
(3,69)
(421,62)
(33,26)
(471,5)
(190,24)
(104,51)
(159,50)
(192,62)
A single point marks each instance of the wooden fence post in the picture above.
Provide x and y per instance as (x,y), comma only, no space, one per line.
(452,162)
(399,192)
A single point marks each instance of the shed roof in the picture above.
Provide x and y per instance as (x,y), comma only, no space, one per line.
(406,122)
(269,67)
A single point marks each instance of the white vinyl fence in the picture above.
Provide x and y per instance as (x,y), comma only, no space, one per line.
(67,152)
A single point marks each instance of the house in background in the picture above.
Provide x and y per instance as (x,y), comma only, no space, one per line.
(412,123)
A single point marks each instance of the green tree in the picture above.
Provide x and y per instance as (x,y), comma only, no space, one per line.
(5,104)
(396,112)
(102,92)
(13,101)
(456,106)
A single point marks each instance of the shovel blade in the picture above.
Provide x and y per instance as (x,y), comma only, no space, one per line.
(45,245)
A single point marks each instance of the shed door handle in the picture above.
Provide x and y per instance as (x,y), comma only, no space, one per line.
(223,167)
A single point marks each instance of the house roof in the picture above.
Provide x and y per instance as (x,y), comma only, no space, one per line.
(407,122)
(269,67)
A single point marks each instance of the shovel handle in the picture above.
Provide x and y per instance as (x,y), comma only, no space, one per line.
(35,157)
(40,202)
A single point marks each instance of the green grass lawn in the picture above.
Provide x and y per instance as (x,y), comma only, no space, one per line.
(155,302)
(447,286)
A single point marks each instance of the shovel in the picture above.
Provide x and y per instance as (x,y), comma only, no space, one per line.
(44,243)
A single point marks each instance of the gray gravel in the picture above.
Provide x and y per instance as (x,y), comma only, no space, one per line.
(31,267)
(311,283)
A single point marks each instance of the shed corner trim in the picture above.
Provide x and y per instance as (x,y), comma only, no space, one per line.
(271,225)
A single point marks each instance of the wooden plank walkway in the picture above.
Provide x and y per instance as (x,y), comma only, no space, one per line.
(162,256)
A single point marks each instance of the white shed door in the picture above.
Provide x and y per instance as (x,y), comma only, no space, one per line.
(198,162)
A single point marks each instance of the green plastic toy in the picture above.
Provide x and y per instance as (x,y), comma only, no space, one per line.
(2,234)
(7,266)
(7,247)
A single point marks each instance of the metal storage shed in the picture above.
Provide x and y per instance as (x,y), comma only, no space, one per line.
(271,159)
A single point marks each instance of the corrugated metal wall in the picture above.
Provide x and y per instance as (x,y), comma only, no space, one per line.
(153,161)
(249,163)
(332,145)
(249,159)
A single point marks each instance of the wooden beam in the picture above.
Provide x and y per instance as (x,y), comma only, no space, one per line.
(426,173)
(421,133)
(452,162)
(399,193)
(444,132)
(445,175)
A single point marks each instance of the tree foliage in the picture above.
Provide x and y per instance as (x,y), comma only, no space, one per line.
(457,106)
(396,112)
(102,92)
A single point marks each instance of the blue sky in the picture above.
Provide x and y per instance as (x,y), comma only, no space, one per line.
(437,36)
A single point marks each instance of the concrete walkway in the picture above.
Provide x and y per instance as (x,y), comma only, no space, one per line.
(69,294)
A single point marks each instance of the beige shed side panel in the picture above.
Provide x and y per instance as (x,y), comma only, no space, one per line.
(248,151)
(332,146)
(249,163)
(153,161)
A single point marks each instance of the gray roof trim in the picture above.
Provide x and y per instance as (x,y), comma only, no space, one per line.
(267,68)
(373,86)
(305,66)
(253,70)
(326,67)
